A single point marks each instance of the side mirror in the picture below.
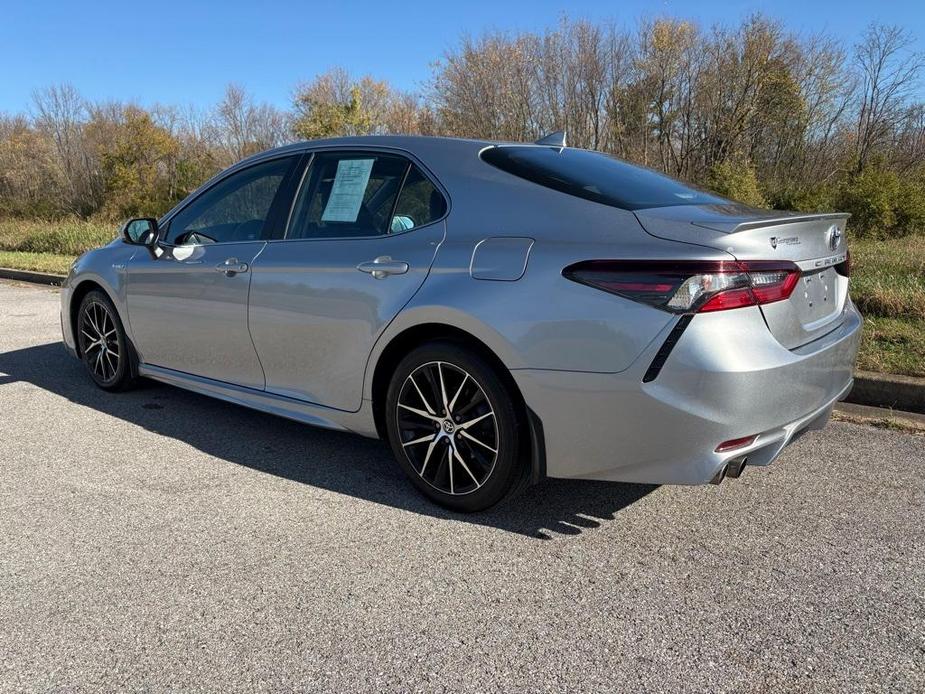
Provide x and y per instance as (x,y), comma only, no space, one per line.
(140,232)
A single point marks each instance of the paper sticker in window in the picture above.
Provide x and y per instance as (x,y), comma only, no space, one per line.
(348,190)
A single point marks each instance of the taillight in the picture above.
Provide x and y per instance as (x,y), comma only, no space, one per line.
(690,286)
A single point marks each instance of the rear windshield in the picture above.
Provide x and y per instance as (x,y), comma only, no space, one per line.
(595,176)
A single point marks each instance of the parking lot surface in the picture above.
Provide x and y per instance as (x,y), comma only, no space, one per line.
(158,539)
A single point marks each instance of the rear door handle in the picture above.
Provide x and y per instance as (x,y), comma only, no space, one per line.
(231,267)
(383,266)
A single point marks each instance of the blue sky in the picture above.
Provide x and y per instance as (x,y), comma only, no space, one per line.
(185,52)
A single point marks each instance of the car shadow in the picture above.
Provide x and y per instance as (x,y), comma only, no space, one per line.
(340,462)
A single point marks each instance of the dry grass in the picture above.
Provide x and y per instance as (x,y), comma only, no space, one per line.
(888,277)
(62,237)
(39,262)
(890,421)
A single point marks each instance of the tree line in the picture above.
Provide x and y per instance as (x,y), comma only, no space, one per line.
(752,111)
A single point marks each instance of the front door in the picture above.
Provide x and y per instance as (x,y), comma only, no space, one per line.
(365,228)
(187,301)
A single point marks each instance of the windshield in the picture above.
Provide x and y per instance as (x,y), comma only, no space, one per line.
(596,176)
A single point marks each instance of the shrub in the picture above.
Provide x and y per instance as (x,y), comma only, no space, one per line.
(870,197)
(910,206)
(737,181)
(819,198)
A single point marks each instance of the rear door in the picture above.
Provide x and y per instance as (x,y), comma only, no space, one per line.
(363,232)
(815,242)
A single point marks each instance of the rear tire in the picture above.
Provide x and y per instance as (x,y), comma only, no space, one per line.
(104,346)
(455,427)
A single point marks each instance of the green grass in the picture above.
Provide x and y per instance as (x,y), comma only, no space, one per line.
(893,345)
(888,286)
(888,277)
(887,282)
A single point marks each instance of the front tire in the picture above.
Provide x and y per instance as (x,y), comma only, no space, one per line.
(104,346)
(454,427)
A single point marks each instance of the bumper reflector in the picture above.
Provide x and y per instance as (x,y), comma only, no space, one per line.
(732,444)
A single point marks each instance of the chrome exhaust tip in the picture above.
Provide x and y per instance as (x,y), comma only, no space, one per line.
(735,467)
(720,475)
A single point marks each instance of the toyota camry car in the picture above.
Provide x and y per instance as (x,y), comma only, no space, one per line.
(498,312)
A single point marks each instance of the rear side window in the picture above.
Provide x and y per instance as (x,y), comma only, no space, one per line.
(360,194)
(420,203)
(595,176)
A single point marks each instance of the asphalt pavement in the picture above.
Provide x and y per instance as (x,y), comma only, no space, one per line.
(158,540)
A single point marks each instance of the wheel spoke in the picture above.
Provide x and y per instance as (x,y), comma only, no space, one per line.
(456,397)
(419,413)
(465,467)
(465,434)
(446,406)
(428,374)
(449,461)
(421,395)
(99,316)
(423,439)
(430,449)
(92,319)
(476,420)
(109,361)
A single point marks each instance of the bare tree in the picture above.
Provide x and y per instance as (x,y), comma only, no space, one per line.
(243,127)
(889,75)
(60,113)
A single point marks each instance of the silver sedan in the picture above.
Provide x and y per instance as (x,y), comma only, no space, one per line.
(498,312)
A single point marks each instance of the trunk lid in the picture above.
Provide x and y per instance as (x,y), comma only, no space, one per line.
(815,242)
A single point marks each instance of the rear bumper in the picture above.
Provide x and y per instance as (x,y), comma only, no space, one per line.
(726,378)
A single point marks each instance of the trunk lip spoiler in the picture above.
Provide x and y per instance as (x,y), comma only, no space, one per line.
(771,221)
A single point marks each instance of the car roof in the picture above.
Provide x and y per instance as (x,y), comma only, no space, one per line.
(407,142)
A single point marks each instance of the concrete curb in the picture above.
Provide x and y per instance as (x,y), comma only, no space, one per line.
(912,419)
(873,389)
(905,393)
(30,276)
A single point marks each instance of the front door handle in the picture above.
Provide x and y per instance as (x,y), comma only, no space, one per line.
(383,266)
(231,267)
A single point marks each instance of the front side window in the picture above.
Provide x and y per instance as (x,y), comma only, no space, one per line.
(235,209)
(595,176)
(362,194)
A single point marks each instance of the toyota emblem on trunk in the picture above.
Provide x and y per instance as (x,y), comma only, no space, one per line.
(834,237)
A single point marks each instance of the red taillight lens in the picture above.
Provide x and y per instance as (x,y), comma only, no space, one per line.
(690,286)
